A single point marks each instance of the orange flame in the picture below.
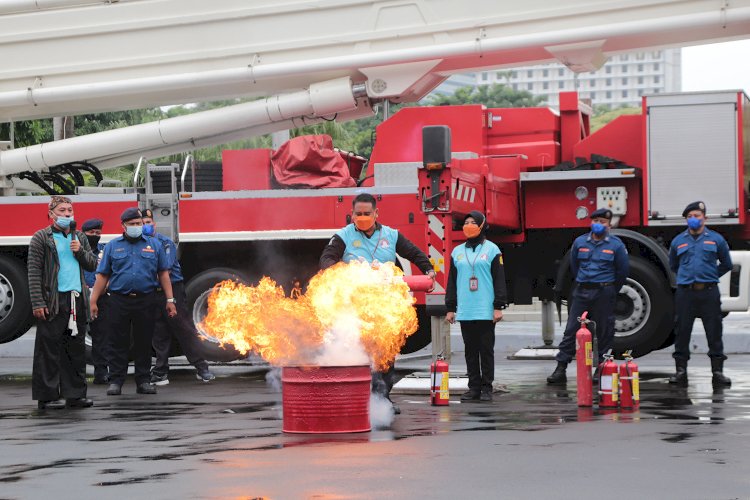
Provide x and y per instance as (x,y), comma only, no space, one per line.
(372,306)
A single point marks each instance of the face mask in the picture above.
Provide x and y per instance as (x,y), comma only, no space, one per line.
(148,229)
(364,222)
(134,231)
(63,222)
(694,223)
(93,241)
(598,228)
(472,230)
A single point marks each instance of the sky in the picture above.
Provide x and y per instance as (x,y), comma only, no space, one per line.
(719,66)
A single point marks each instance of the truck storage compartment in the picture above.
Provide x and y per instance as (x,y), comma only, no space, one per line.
(502,192)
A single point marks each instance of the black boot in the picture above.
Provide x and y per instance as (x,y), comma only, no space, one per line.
(680,377)
(558,376)
(719,379)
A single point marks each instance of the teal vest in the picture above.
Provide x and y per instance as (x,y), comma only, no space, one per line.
(381,246)
(477,262)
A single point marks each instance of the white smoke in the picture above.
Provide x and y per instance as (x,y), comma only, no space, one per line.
(341,344)
(381,412)
(273,379)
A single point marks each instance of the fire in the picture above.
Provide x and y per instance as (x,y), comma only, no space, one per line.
(349,311)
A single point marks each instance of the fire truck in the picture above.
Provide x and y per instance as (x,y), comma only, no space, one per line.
(536,172)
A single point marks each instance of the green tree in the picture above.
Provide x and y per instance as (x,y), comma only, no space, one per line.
(604,115)
(496,95)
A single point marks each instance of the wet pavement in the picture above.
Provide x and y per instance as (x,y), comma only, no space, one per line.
(224,440)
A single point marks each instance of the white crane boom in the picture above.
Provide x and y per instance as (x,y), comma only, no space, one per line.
(62,57)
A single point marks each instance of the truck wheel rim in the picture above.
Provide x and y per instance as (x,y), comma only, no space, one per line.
(632,309)
(6,297)
(200,309)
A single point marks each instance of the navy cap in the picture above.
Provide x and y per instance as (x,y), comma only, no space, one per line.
(696,205)
(92,224)
(602,212)
(130,214)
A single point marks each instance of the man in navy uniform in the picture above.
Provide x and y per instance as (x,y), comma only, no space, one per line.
(92,228)
(133,266)
(366,238)
(180,327)
(699,257)
(599,262)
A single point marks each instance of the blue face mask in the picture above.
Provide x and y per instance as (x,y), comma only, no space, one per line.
(134,231)
(148,229)
(694,223)
(598,228)
(64,222)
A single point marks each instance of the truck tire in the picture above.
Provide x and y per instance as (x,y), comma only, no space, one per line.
(644,312)
(423,336)
(15,304)
(197,291)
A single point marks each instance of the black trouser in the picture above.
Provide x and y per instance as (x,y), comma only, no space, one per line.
(479,350)
(59,358)
(382,381)
(704,304)
(600,303)
(99,331)
(138,313)
(181,327)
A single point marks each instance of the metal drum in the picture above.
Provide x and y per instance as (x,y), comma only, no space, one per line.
(326,399)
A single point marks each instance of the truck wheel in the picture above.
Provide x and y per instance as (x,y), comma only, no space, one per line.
(197,291)
(644,311)
(15,304)
(422,337)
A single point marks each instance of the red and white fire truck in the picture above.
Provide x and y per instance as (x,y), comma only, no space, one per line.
(537,173)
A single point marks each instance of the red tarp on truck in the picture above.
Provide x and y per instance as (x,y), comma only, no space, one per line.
(309,161)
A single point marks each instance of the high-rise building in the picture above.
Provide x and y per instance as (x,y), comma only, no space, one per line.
(622,80)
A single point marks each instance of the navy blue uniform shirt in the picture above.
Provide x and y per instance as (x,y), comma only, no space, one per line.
(133,267)
(703,259)
(170,249)
(90,276)
(603,261)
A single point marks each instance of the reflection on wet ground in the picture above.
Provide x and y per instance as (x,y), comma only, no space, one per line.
(240,413)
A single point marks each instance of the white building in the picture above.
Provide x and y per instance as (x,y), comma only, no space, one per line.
(620,82)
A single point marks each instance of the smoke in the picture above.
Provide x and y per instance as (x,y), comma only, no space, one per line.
(381,412)
(273,379)
(342,345)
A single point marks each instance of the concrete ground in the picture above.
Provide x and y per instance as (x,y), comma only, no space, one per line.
(224,439)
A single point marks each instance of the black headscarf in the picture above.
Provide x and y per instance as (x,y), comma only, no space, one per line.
(480,219)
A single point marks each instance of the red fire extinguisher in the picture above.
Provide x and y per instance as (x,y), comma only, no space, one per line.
(608,383)
(629,383)
(584,362)
(439,387)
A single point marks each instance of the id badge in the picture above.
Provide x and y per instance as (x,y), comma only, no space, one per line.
(473,284)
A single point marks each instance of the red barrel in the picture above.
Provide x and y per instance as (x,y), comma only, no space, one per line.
(326,399)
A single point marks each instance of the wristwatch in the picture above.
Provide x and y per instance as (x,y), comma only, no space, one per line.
(172,300)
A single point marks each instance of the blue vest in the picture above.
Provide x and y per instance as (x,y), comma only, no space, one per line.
(476,262)
(381,246)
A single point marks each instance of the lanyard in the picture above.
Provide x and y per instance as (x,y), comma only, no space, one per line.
(475,257)
(377,243)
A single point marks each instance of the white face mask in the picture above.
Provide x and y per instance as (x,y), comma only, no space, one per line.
(134,231)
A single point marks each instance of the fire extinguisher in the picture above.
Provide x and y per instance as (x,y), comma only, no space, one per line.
(439,388)
(629,383)
(608,383)
(584,362)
